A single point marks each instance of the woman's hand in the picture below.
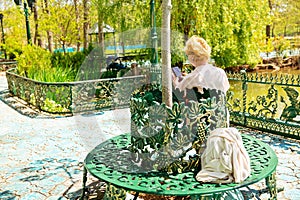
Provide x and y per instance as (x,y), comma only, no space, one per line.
(175,80)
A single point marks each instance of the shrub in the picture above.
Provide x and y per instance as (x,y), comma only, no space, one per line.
(39,64)
(32,59)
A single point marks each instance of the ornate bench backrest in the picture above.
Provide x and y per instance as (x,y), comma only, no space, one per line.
(172,139)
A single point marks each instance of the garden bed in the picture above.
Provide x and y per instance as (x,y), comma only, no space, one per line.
(72,97)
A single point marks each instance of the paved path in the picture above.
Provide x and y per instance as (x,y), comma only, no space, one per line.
(41,157)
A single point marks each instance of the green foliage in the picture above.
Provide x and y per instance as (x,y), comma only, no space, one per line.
(177,53)
(15,32)
(277,44)
(267,46)
(285,17)
(280,44)
(39,64)
(32,60)
(70,60)
(142,54)
(109,74)
(51,106)
(232,28)
(122,72)
(114,73)
(54,74)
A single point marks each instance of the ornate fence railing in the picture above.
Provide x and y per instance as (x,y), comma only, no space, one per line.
(268,102)
(74,97)
(265,102)
(7,65)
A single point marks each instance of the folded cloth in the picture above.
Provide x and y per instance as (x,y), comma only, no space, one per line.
(225,158)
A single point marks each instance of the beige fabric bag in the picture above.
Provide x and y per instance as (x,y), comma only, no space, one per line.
(225,158)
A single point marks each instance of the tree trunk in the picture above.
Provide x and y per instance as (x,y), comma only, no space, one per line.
(101,34)
(268,32)
(268,27)
(166,53)
(77,24)
(50,41)
(122,42)
(100,28)
(37,36)
(85,23)
(273,28)
(285,27)
(49,33)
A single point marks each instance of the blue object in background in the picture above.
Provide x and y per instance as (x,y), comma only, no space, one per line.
(67,50)
(127,47)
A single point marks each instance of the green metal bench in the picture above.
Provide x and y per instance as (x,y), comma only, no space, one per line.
(110,162)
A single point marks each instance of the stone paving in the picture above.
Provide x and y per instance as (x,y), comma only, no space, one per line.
(42,156)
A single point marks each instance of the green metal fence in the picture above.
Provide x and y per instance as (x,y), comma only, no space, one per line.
(267,102)
(74,97)
(7,65)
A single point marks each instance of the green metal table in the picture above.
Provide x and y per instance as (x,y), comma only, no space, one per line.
(110,162)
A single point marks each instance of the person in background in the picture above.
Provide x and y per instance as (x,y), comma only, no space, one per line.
(134,68)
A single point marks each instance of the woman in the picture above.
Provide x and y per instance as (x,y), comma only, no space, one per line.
(224,144)
(204,76)
(205,81)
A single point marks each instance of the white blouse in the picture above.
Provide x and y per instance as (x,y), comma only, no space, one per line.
(205,76)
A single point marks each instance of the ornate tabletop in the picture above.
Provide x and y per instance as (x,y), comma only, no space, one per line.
(111,162)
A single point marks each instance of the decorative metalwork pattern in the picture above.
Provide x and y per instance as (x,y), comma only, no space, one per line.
(49,97)
(278,111)
(74,97)
(92,96)
(110,94)
(124,89)
(282,79)
(172,139)
(235,76)
(264,106)
(111,162)
(271,184)
(290,112)
(104,94)
(7,65)
(114,193)
(292,130)
(234,104)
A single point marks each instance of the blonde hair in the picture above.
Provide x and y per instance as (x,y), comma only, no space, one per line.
(197,49)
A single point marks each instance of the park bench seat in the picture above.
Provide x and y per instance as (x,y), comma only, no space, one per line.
(110,162)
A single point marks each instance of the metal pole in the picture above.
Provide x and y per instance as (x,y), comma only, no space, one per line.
(3,38)
(244,88)
(154,54)
(115,44)
(155,71)
(27,23)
